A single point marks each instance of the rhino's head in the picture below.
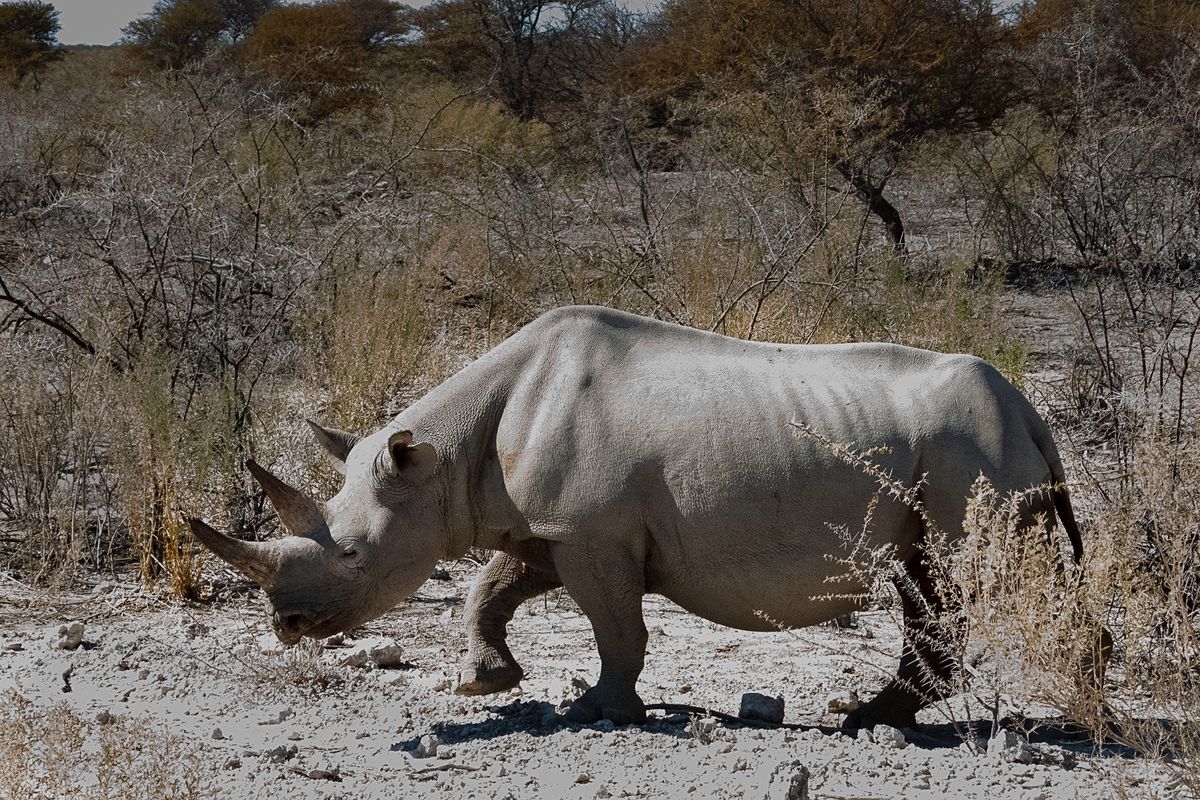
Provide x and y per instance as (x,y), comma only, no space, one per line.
(351,559)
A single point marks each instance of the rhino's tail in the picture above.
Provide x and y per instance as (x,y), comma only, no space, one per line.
(1062,504)
(1058,477)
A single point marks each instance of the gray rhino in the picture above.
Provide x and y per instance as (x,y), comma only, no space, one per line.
(616,456)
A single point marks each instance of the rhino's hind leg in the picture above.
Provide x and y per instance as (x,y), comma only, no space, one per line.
(611,598)
(926,663)
(504,583)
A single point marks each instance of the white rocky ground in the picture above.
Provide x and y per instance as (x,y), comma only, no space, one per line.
(265,723)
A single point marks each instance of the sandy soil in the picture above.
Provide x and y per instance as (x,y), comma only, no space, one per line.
(302,723)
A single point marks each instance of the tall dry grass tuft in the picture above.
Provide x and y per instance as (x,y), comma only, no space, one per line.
(1147,551)
(371,347)
(1109,645)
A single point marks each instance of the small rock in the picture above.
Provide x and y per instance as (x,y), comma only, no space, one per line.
(497,771)
(359,657)
(217,734)
(888,736)
(761,707)
(283,715)
(143,674)
(325,775)
(864,735)
(445,752)
(14,646)
(440,574)
(282,753)
(1060,757)
(1012,747)
(788,782)
(583,777)
(685,688)
(843,702)
(106,718)
(387,655)
(233,763)
(428,746)
(703,729)
(70,636)
(446,615)
(443,685)
(337,640)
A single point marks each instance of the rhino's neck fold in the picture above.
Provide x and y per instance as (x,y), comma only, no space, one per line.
(460,418)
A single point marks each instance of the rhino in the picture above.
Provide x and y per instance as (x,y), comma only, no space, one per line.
(616,455)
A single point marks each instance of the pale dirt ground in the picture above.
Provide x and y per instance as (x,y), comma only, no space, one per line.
(189,670)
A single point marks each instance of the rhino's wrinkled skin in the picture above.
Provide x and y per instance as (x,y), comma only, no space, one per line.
(617,455)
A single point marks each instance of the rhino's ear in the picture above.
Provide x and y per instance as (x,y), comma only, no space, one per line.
(337,443)
(412,462)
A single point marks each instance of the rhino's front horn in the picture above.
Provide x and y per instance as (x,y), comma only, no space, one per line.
(255,560)
(298,513)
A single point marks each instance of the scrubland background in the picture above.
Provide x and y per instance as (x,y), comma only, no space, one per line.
(249,214)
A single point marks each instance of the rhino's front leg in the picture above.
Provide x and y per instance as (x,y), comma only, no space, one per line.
(608,588)
(503,584)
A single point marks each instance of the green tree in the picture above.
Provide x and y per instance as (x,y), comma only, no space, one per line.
(906,70)
(28,39)
(324,52)
(533,53)
(175,32)
(242,15)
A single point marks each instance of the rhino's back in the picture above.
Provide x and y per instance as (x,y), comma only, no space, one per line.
(596,366)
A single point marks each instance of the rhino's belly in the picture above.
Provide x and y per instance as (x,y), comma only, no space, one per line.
(761,600)
(767,571)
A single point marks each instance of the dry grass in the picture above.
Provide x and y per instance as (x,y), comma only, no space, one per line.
(57,753)
(1026,631)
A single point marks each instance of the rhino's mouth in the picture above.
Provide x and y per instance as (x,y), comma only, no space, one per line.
(291,627)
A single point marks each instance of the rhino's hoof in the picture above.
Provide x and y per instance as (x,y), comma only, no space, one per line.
(593,707)
(476,680)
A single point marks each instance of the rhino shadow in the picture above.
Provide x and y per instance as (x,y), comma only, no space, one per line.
(535,718)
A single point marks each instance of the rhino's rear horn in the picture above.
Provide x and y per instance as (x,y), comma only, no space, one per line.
(255,560)
(297,511)
(337,443)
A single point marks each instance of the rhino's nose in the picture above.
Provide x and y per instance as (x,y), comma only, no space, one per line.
(291,625)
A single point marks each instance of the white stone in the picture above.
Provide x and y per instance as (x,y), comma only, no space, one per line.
(387,654)
(70,636)
(888,736)
(428,746)
(1012,747)
(761,707)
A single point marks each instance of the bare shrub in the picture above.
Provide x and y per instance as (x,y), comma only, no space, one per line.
(56,504)
(45,753)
